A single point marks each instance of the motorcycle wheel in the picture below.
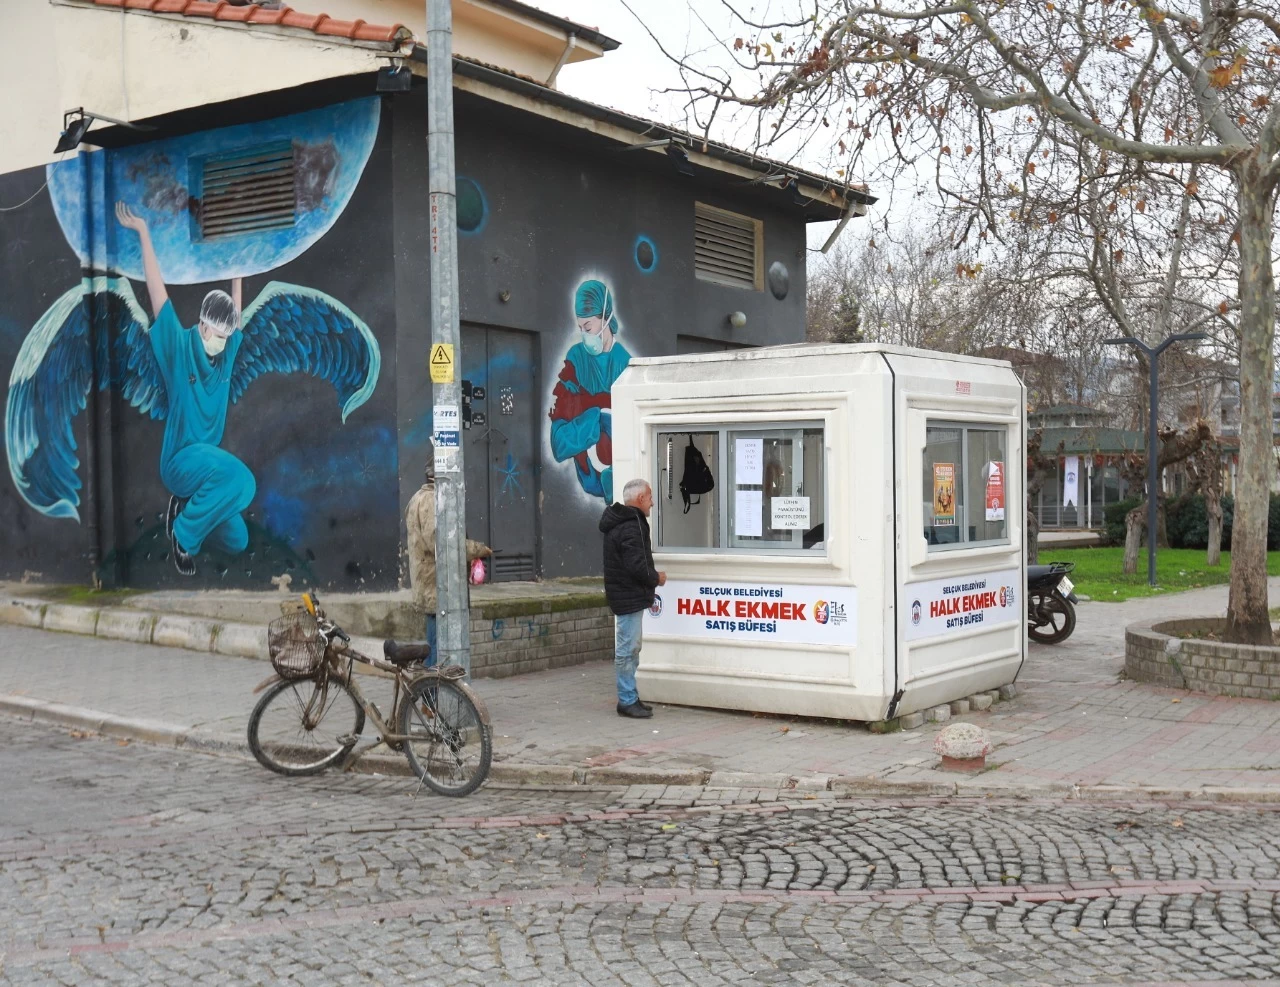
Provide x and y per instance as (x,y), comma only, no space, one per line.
(1050,617)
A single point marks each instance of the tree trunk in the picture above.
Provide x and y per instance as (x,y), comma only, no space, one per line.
(1033,538)
(1213,509)
(1134,524)
(1162,524)
(1247,618)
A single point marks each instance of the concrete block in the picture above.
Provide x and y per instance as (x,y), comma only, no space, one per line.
(911,721)
(24,613)
(994,694)
(126,625)
(70,619)
(959,707)
(184,632)
(1008,691)
(241,640)
(938,714)
(980,702)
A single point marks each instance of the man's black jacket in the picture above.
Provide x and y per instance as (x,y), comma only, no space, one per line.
(629,575)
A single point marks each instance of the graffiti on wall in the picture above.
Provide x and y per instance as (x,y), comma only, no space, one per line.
(581,419)
(187,375)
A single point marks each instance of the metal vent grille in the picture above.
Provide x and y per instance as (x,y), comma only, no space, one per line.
(248,191)
(726,247)
(513,568)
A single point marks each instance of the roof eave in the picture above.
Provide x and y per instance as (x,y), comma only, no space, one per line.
(832,199)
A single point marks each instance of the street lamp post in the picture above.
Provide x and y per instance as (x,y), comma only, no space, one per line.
(1153,470)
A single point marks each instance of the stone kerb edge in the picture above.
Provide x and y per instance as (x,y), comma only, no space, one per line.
(1155,654)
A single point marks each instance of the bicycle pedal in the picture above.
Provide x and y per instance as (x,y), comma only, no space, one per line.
(348,738)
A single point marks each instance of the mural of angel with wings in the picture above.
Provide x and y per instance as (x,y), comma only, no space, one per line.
(187,377)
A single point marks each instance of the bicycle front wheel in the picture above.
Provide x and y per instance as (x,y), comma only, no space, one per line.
(302,726)
(449,742)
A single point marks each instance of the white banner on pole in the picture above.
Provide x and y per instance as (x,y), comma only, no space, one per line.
(1071,481)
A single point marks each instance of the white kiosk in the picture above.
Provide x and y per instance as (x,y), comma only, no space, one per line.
(861,554)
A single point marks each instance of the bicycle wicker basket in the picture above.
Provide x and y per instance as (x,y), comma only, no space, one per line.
(295,645)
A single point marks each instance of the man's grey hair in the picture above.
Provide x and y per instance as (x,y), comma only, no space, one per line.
(633,490)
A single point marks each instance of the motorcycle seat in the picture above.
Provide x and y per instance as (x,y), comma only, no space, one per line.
(1035,572)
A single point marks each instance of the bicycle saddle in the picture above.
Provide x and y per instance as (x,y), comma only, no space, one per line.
(407,652)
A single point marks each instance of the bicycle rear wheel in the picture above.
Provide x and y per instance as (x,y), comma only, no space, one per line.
(450,743)
(302,726)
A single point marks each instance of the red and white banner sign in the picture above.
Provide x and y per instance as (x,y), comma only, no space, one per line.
(959,603)
(995,491)
(759,612)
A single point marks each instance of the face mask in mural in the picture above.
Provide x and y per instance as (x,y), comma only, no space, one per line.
(581,422)
(186,377)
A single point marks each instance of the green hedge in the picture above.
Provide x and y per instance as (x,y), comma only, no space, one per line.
(1188,522)
(1113,520)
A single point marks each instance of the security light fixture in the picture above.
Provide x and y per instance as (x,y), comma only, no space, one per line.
(680,159)
(737,319)
(394,78)
(74,130)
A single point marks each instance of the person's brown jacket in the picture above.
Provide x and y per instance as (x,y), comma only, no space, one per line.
(420,519)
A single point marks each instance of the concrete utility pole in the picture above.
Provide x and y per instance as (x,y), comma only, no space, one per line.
(453,614)
(1153,441)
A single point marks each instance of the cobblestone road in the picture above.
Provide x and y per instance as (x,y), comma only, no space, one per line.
(124,864)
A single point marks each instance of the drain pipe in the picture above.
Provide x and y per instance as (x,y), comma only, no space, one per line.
(893,449)
(92,479)
(572,43)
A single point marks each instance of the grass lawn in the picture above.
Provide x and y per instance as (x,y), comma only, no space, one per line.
(1097,574)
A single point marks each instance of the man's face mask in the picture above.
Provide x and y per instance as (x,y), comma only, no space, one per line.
(213,343)
(593,341)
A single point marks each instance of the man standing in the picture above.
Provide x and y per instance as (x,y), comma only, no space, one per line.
(629,582)
(420,521)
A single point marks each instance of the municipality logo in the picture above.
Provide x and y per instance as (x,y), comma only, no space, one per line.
(656,609)
(1007,597)
(915,613)
(821,613)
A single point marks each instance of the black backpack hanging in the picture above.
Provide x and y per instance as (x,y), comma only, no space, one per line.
(697,479)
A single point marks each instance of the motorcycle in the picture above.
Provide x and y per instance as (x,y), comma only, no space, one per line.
(1051,600)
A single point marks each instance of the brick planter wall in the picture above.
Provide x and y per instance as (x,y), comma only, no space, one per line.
(505,643)
(1153,653)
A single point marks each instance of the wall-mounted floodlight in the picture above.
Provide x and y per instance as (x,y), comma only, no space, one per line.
(74,130)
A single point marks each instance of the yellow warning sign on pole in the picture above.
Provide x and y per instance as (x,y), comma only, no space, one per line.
(441,363)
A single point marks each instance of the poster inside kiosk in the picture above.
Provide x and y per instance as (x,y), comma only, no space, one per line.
(755,612)
(960,603)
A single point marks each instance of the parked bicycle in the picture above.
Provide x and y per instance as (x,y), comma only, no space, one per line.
(313,713)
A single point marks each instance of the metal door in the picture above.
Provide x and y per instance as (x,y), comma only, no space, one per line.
(499,422)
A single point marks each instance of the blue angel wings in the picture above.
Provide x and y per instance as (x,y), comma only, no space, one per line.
(290,328)
(53,376)
(287,328)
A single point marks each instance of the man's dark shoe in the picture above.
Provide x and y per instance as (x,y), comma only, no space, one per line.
(644,705)
(183,562)
(636,711)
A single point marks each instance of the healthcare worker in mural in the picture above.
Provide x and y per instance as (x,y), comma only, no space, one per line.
(581,422)
(185,377)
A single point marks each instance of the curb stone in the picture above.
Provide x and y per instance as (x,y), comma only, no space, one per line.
(520,775)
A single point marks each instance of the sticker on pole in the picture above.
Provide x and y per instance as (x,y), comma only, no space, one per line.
(441,363)
(942,607)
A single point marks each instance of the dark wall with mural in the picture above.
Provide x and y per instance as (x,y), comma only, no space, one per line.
(274,417)
(232,374)
(573,256)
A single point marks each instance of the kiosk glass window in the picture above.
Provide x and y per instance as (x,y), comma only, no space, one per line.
(964,485)
(769,493)
(689,520)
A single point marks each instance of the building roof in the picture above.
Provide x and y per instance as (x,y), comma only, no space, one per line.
(1089,440)
(584,32)
(835,196)
(263,15)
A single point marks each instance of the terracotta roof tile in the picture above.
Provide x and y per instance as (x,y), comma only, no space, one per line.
(252,13)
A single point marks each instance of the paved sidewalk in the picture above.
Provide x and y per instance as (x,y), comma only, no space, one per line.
(1074,722)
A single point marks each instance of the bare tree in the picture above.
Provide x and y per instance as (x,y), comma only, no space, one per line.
(1000,98)
(1174,447)
(1204,470)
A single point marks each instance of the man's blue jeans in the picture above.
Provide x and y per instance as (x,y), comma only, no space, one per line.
(626,654)
(431,640)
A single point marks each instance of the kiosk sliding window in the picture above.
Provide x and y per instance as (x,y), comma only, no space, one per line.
(964,485)
(768,496)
